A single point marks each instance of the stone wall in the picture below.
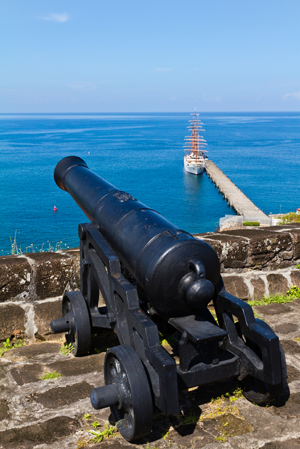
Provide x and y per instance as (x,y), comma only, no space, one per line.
(31,287)
(259,261)
(254,263)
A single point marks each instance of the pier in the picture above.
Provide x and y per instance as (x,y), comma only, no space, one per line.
(235,197)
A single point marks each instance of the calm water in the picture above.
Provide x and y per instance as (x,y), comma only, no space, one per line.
(141,154)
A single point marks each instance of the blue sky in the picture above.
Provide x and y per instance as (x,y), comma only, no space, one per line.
(149,55)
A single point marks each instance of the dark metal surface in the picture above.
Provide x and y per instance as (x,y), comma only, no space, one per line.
(75,322)
(127,388)
(171,278)
(258,391)
(156,252)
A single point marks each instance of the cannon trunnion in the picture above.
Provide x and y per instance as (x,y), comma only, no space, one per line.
(171,278)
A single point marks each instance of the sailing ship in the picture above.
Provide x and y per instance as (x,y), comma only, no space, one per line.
(195,155)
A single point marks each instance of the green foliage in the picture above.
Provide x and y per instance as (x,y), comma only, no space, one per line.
(81,443)
(167,341)
(95,424)
(14,246)
(106,433)
(291,294)
(67,349)
(49,375)
(291,217)
(298,266)
(221,439)
(251,223)
(166,434)
(7,345)
(237,394)
(32,248)
(189,419)
(87,416)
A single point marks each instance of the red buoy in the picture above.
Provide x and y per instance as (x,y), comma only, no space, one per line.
(55,209)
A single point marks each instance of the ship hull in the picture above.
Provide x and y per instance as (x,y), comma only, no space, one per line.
(195,168)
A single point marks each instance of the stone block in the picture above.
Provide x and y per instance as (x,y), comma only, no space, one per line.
(15,276)
(74,253)
(232,250)
(53,273)
(294,230)
(39,433)
(75,366)
(266,247)
(236,286)
(4,409)
(62,396)
(45,312)
(33,351)
(212,240)
(277,284)
(259,288)
(296,242)
(273,309)
(12,317)
(295,277)
(286,328)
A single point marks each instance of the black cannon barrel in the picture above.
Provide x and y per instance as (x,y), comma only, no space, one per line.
(177,272)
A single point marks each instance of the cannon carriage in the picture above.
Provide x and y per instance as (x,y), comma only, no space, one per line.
(172,279)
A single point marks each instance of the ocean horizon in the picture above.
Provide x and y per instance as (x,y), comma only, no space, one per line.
(141,153)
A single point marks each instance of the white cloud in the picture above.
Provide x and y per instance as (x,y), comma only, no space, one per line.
(83,86)
(163,69)
(292,95)
(61,18)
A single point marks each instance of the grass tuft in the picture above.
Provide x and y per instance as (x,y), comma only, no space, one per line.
(7,345)
(16,247)
(48,376)
(87,416)
(109,431)
(292,294)
(67,349)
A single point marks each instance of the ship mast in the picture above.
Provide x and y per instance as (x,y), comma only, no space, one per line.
(195,143)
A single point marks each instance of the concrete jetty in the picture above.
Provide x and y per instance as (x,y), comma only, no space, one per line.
(235,197)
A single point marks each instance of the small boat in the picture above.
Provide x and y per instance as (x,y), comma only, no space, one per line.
(195,155)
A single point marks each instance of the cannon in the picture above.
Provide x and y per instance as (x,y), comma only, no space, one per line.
(157,279)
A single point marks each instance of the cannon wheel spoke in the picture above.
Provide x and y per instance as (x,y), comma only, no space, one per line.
(260,392)
(134,414)
(75,306)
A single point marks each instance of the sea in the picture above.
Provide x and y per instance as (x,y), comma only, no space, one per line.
(143,155)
